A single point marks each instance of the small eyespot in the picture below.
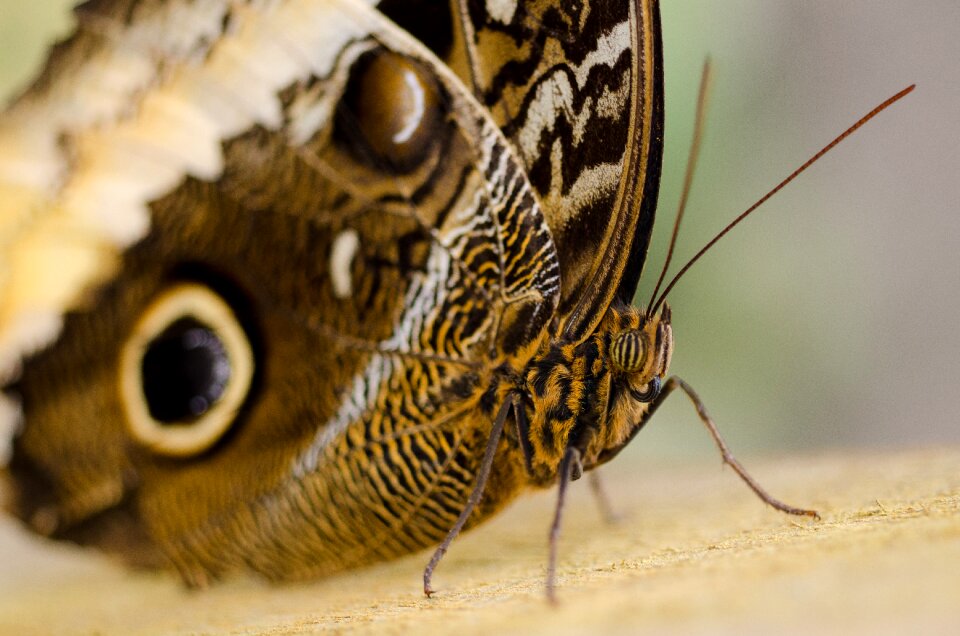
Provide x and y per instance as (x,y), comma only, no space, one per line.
(648,392)
(394,105)
(185,371)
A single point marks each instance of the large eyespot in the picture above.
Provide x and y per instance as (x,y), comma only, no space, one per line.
(393,104)
(185,371)
(648,392)
(628,351)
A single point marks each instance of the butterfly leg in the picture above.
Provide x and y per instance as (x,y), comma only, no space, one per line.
(600,496)
(475,495)
(570,469)
(674,383)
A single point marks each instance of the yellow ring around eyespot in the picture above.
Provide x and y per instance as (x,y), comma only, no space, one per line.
(188,300)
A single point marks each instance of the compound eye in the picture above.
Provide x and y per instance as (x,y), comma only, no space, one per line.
(394,105)
(648,392)
(628,351)
(185,371)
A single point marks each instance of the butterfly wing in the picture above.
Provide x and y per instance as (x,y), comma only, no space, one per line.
(376,281)
(578,89)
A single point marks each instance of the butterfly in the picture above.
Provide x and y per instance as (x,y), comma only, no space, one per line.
(301,285)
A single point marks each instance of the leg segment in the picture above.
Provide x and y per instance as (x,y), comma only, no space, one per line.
(600,496)
(673,383)
(475,495)
(568,466)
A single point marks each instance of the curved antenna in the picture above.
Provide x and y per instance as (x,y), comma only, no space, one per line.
(793,175)
(699,124)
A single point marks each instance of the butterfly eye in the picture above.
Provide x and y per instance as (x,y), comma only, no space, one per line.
(393,104)
(628,351)
(185,372)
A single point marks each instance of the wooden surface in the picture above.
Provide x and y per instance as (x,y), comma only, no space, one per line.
(695,553)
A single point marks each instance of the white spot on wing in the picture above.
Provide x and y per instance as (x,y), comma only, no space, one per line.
(341,260)
(502,10)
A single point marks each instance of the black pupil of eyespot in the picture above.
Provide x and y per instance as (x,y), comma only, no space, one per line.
(184,371)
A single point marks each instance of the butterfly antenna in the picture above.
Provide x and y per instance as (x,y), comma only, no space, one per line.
(694,154)
(830,146)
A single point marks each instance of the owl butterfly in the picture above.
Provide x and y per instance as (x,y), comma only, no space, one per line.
(290,288)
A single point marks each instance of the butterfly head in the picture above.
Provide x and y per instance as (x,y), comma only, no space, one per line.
(593,395)
(640,352)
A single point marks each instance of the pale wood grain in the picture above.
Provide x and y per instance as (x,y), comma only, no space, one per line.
(696,553)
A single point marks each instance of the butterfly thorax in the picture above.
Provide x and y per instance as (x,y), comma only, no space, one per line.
(592,395)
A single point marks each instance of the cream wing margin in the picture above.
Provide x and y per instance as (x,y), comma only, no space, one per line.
(123,114)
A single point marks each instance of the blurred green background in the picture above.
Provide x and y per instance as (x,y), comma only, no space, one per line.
(830,318)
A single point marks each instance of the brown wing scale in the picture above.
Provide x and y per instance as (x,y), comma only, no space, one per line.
(359,440)
(578,89)
(396,276)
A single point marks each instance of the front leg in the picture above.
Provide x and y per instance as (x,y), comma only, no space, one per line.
(669,386)
(728,458)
